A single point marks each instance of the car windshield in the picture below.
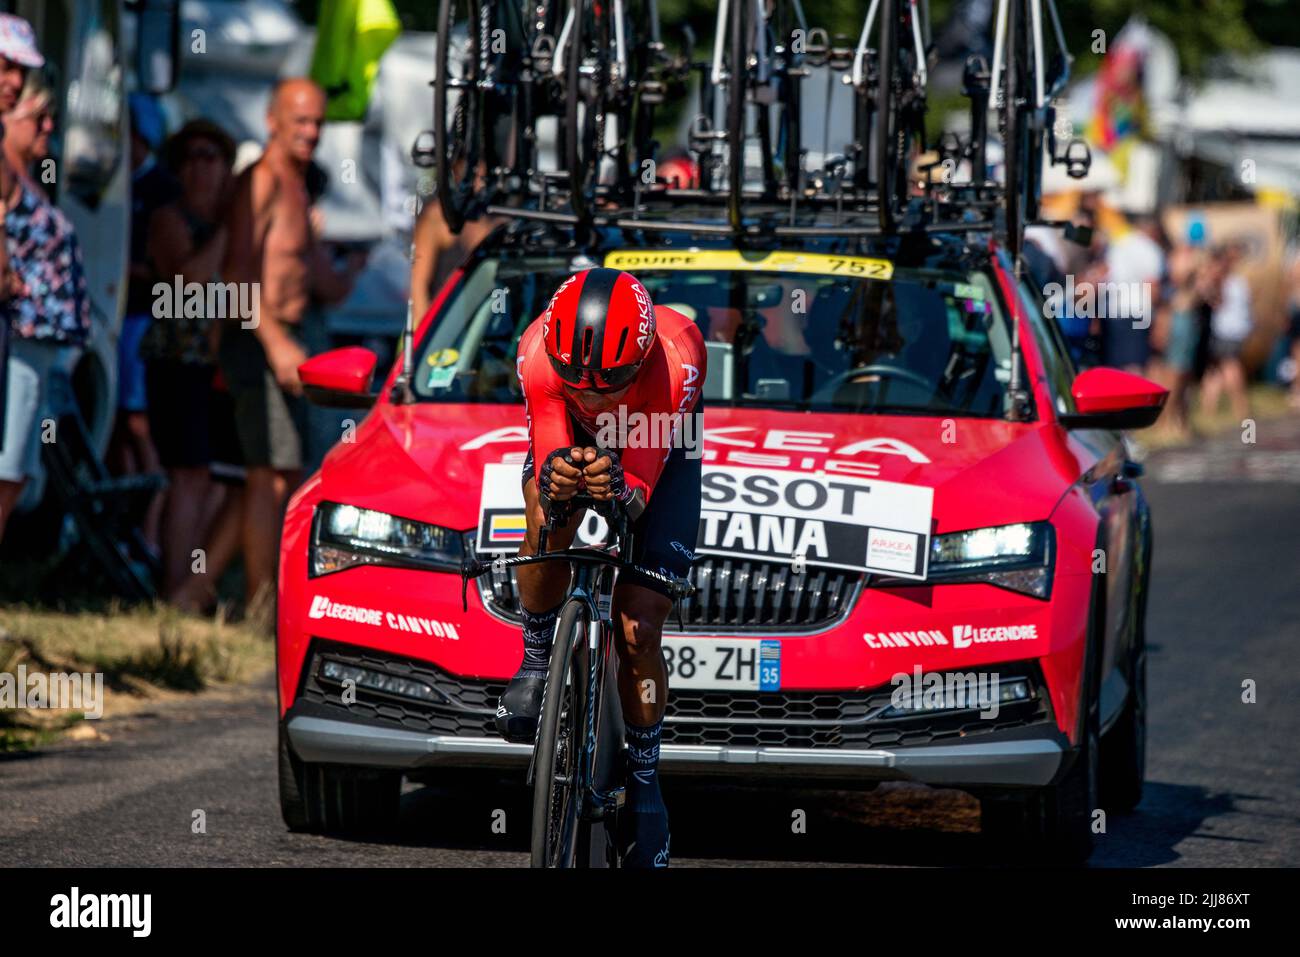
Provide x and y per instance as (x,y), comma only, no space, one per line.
(921,342)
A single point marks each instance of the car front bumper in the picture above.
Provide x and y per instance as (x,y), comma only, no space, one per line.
(1027,760)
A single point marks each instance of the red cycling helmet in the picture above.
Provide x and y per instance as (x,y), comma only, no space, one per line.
(598,328)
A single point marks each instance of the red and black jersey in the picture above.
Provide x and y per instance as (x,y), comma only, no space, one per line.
(669,381)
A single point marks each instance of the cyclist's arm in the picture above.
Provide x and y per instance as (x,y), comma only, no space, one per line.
(549,426)
(687,356)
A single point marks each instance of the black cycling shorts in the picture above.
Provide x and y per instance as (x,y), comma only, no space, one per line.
(664,537)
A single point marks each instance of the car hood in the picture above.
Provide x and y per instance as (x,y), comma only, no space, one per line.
(426,461)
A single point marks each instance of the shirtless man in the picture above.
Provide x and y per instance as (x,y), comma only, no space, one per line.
(272,245)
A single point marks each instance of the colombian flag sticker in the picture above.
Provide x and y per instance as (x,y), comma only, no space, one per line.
(508,528)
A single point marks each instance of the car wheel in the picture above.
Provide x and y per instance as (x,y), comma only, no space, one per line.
(293,806)
(1124,748)
(330,799)
(1004,827)
(1052,824)
(1064,811)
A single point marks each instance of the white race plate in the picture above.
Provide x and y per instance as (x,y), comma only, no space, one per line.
(831,520)
(722,664)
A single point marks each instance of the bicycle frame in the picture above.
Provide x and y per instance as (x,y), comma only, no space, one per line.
(1042,94)
(859,72)
(594,580)
(1023,95)
(593,587)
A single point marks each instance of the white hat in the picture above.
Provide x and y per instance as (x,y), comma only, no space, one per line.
(18,42)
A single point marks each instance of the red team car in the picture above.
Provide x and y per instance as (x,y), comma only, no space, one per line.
(918,559)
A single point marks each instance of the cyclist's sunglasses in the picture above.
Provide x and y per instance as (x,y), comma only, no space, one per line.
(597,380)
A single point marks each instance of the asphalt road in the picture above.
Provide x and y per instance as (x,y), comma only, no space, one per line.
(1223,780)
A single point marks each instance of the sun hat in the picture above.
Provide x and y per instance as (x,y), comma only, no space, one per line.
(18,42)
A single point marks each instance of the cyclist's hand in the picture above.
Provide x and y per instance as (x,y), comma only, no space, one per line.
(604,475)
(560,477)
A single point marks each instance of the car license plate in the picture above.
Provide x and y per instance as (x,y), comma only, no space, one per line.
(722,664)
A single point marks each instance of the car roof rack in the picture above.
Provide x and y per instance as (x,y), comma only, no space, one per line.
(845,195)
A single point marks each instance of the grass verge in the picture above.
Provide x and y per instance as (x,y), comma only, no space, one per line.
(144,653)
(1266,402)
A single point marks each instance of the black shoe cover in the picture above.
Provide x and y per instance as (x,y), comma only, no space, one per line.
(519,707)
(643,838)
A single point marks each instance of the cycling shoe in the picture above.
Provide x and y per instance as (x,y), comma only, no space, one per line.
(643,838)
(519,707)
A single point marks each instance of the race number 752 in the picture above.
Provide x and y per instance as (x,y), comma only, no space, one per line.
(867,268)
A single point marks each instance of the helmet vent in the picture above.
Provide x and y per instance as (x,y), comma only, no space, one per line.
(622,341)
(588,339)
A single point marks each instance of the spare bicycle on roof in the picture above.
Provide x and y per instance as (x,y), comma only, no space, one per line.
(546,110)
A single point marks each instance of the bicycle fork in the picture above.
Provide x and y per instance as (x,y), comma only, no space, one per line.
(592,653)
(599,803)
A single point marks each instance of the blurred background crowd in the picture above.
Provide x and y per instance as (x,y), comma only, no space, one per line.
(1191,198)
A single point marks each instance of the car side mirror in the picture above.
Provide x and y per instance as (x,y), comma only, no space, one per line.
(1114,399)
(340,378)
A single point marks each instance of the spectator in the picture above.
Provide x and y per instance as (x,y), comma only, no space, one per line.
(186,244)
(19,395)
(1135,266)
(1188,283)
(272,249)
(438,252)
(132,449)
(49,309)
(27,130)
(1092,275)
(18,54)
(1293,307)
(31,126)
(198,591)
(1230,325)
(1158,334)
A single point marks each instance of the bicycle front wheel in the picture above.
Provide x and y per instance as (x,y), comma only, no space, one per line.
(557,788)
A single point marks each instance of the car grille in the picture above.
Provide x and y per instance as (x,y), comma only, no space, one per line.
(827,719)
(781,719)
(466,706)
(733,594)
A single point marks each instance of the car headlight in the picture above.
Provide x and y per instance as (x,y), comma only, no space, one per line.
(344,536)
(1018,557)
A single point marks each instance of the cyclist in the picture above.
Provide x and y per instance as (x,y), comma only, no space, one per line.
(601,344)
